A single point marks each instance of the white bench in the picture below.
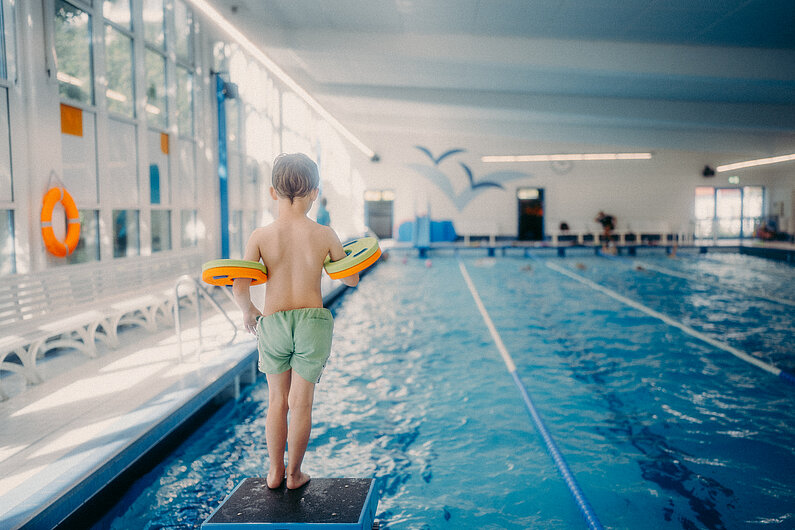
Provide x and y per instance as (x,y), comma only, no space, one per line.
(74,305)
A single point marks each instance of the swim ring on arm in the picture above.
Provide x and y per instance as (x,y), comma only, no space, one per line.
(224,271)
(360,254)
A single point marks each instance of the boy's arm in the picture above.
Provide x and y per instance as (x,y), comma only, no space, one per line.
(337,253)
(240,289)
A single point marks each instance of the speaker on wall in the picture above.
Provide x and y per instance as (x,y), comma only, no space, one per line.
(708,172)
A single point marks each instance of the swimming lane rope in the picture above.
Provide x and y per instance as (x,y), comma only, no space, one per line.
(775,370)
(689,277)
(579,498)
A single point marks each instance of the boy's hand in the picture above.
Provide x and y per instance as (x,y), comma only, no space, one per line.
(250,319)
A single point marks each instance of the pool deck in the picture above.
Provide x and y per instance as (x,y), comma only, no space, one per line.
(65,439)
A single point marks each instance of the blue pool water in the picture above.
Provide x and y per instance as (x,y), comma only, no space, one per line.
(660,429)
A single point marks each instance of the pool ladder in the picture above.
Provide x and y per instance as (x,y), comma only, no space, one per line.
(199,290)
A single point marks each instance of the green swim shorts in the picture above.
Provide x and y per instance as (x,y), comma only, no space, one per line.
(299,339)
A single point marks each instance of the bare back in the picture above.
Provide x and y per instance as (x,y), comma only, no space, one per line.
(293,250)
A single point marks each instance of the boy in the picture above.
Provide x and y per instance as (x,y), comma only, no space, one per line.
(294,329)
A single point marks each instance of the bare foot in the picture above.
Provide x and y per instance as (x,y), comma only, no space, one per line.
(275,478)
(297,480)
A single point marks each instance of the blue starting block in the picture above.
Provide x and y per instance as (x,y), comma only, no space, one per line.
(327,503)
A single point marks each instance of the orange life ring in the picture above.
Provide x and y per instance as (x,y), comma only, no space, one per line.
(54,245)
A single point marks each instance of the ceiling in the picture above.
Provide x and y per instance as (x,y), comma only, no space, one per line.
(530,76)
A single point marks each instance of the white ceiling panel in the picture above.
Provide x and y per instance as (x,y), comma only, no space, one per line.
(656,74)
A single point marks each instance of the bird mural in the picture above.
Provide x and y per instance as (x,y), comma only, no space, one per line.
(435,175)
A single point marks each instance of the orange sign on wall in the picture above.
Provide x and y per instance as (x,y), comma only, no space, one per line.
(164,143)
(71,120)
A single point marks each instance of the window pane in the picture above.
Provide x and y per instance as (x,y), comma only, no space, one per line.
(187,172)
(184,102)
(251,180)
(183,19)
(161,230)
(122,163)
(236,234)
(8,262)
(73,53)
(79,153)
(296,114)
(728,207)
(119,65)
(190,228)
(126,235)
(232,111)
(6,179)
(705,203)
(118,11)
(154,22)
(159,176)
(752,201)
(234,179)
(156,88)
(3,60)
(88,246)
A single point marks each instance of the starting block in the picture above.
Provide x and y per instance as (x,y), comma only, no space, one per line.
(327,503)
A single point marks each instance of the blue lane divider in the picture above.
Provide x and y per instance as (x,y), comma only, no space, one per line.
(788,377)
(582,503)
(563,468)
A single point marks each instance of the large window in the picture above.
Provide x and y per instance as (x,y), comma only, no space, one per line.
(3,58)
(184,102)
(118,12)
(73,52)
(728,212)
(183,22)
(88,247)
(119,71)
(126,238)
(161,230)
(156,107)
(8,263)
(190,228)
(154,23)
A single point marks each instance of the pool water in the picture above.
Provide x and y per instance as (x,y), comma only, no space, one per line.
(660,429)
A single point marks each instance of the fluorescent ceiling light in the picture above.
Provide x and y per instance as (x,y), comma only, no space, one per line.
(213,15)
(757,162)
(566,157)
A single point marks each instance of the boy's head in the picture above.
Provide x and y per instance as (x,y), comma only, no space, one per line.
(294,175)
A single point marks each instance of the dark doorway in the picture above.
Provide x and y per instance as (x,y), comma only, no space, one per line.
(378,212)
(531,214)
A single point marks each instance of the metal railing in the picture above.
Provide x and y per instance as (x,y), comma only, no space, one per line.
(200,291)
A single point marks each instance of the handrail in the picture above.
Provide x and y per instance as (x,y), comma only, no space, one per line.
(199,290)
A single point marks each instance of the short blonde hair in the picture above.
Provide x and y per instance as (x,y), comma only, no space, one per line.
(294,175)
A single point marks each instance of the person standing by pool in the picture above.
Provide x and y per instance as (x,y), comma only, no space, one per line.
(608,223)
(294,329)
(323,217)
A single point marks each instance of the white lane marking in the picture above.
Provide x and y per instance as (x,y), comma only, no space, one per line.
(487,319)
(668,320)
(682,275)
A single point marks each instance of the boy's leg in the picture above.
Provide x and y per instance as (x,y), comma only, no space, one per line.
(302,394)
(276,424)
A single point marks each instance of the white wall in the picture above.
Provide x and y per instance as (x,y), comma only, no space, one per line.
(654,194)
